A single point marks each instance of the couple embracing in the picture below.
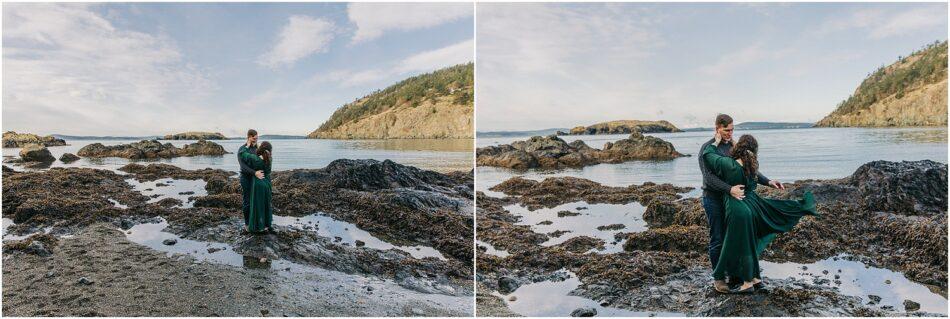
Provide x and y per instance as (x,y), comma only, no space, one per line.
(741,223)
(255,161)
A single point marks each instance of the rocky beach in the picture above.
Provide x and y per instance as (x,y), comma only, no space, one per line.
(886,218)
(356,238)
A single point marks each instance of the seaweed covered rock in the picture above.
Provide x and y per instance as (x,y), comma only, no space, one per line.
(36,153)
(908,187)
(68,158)
(151,149)
(551,152)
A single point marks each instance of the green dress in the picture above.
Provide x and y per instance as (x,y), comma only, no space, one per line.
(261,212)
(751,223)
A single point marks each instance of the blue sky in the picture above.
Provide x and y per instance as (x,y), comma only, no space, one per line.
(543,65)
(157,68)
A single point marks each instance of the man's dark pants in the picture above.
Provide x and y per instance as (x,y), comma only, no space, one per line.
(715,214)
(246,183)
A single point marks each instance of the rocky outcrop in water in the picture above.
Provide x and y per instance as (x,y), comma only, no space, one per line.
(887,214)
(68,158)
(551,152)
(151,149)
(196,136)
(14,139)
(623,127)
(36,153)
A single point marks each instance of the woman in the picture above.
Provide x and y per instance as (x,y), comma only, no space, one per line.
(261,214)
(751,223)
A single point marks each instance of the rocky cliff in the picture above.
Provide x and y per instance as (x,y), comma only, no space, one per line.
(434,105)
(623,127)
(909,92)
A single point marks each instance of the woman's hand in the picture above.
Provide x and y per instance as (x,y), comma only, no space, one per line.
(718,138)
(259,174)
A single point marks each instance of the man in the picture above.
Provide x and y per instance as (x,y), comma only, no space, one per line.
(714,189)
(248,174)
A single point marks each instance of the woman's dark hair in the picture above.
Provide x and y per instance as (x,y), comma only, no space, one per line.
(264,151)
(747,150)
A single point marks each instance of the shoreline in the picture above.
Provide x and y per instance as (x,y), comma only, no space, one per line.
(351,191)
(670,256)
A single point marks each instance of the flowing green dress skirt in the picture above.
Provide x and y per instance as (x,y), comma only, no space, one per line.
(262,213)
(751,223)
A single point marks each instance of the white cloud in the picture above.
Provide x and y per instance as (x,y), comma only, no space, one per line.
(301,37)
(458,53)
(462,52)
(68,69)
(312,91)
(557,65)
(745,57)
(880,23)
(374,19)
(909,21)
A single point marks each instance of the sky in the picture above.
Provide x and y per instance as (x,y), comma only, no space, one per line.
(157,68)
(559,65)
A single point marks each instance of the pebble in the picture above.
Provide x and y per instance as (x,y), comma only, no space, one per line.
(85,281)
(170,241)
(584,312)
(910,305)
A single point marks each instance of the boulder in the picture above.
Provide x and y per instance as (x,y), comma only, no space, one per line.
(908,187)
(911,306)
(36,153)
(584,312)
(68,158)
(507,285)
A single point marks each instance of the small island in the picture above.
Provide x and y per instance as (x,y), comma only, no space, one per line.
(196,136)
(551,152)
(623,127)
(13,139)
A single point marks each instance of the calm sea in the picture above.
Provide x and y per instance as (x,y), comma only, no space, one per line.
(441,155)
(786,155)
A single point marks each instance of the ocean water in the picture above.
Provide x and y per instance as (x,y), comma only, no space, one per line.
(441,155)
(786,155)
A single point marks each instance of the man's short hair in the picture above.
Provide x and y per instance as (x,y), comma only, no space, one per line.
(723,120)
(252,132)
